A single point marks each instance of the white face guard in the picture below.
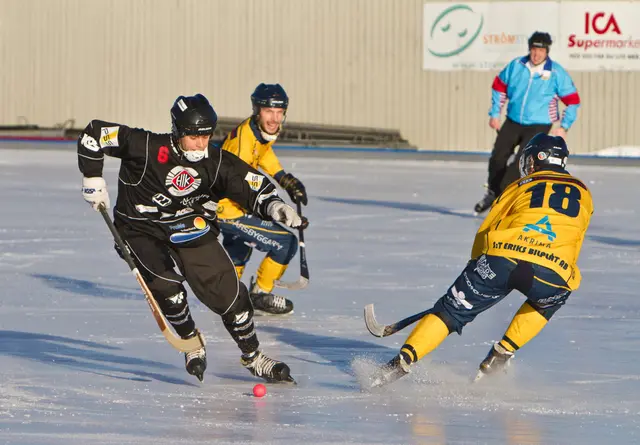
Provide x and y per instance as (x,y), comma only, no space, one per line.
(195,156)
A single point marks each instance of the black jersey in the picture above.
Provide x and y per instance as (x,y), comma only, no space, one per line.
(162,193)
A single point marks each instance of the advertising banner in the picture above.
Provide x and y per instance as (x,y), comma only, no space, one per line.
(485,36)
(482,36)
(599,36)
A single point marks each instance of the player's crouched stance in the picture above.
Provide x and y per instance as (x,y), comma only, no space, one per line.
(166,214)
(529,241)
(252,141)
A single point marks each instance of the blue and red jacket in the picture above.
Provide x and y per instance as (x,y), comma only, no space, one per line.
(533,97)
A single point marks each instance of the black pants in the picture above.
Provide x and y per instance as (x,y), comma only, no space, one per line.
(511,135)
(210,274)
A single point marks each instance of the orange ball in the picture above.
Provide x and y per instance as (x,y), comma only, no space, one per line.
(259,390)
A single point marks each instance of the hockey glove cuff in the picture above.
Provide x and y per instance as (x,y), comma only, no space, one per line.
(283,213)
(94,191)
(294,188)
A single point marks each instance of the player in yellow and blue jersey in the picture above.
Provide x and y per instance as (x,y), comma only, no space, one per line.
(252,141)
(530,241)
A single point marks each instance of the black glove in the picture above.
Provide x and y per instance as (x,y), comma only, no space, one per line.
(294,188)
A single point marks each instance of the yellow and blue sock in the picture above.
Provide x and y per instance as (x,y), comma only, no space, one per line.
(526,324)
(268,272)
(425,337)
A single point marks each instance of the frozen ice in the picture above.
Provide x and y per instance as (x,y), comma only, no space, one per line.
(82,360)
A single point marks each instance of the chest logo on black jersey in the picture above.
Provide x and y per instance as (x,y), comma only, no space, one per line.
(182,180)
(161,200)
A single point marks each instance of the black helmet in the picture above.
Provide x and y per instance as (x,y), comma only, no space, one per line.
(192,115)
(540,40)
(269,96)
(543,149)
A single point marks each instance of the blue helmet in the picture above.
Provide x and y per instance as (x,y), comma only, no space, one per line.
(543,150)
(192,115)
(269,96)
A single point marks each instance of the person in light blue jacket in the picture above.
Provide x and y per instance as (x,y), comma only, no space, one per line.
(532,85)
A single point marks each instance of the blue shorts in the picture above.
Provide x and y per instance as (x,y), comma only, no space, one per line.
(488,279)
(242,235)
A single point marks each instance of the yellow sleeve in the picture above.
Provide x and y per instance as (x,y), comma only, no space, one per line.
(498,211)
(589,208)
(269,162)
(234,144)
(231,144)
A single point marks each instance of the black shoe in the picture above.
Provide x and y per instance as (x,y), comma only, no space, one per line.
(196,362)
(498,359)
(268,303)
(485,202)
(267,368)
(396,368)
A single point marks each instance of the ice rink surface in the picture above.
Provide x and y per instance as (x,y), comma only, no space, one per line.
(83,362)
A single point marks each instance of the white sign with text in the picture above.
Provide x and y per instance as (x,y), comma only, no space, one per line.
(486,36)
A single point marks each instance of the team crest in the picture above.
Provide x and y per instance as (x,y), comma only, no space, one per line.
(182,180)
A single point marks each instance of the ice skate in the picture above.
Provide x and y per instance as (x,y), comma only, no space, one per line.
(485,202)
(267,303)
(396,368)
(196,362)
(498,359)
(269,369)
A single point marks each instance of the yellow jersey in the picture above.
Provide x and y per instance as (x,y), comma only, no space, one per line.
(244,143)
(542,218)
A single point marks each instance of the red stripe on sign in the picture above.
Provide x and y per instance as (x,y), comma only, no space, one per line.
(499,85)
(571,99)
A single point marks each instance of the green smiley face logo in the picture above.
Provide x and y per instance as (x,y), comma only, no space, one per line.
(450,33)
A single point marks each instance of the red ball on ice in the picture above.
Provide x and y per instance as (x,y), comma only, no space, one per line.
(259,390)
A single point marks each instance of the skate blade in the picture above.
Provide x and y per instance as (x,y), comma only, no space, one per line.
(262,313)
(288,381)
(200,377)
(479,376)
(385,378)
(378,383)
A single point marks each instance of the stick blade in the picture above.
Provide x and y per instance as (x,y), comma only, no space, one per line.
(182,344)
(300,284)
(375,328)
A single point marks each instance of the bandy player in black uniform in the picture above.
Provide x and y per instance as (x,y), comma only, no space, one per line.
(168,188)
